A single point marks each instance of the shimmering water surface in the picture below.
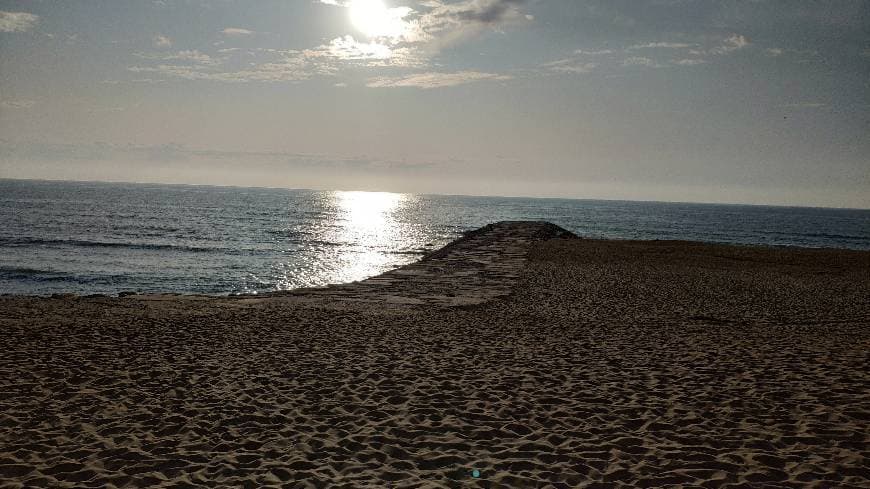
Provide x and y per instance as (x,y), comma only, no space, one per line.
(85,238)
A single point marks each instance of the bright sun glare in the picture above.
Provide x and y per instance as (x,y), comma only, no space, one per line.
(374,19)
(368,212)
(368,221)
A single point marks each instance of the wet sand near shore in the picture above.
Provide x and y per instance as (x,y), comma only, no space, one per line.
(520,356)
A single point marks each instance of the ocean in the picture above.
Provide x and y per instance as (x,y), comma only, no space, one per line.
(107,238)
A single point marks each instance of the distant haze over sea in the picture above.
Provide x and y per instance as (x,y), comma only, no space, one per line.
(85,237)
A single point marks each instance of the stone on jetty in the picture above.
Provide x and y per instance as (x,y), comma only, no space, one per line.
(481,266)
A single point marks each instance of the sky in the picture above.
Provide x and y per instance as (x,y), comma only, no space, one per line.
(739,101)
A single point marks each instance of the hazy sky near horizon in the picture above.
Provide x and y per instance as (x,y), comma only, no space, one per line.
(753,101)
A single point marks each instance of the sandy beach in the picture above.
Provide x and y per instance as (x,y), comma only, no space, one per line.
(519,356)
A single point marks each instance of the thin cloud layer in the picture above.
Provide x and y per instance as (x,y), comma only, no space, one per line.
(654,54)
(193,56)
(275,66)
(237,32)
(17,21)
(161,42)
(477,11)
(447,24)
(661,45)
(733,43)
(17,104)
(435,80)
(371,54)
(570,65)
(804,105)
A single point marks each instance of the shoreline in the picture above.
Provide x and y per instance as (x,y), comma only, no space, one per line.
(549,230)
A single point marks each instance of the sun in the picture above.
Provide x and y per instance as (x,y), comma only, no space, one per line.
(374,19)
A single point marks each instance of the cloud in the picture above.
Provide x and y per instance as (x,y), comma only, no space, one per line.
(483,11)
(149,81)
(267,65)
(797,55)
(191,55)
(349,48)
(98,110)
(267,72)
(161,42)
(436,23)
(175,152)
(804,105)
(683,53)
(640,61)
(477,11)
(373,53)
(656,54)
(418,35)
(17,21)
(570,65)
(594,52)
(690,61)
(435,80)
(448,23)
(733,43)
(236,32)
(17,104)
(185,57)
(662,45)
(239,65)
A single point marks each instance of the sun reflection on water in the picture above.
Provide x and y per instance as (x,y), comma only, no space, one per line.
(369,223)
(352,235)
(367,215)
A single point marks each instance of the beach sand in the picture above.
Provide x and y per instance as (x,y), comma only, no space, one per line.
(533,357)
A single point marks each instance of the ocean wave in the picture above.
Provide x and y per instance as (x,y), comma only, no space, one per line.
(104,244)
(408,252)
(290,238)
(18,273)
(286,232)
(836,236)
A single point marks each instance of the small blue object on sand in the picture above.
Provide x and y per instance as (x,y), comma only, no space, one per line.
(475,473)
